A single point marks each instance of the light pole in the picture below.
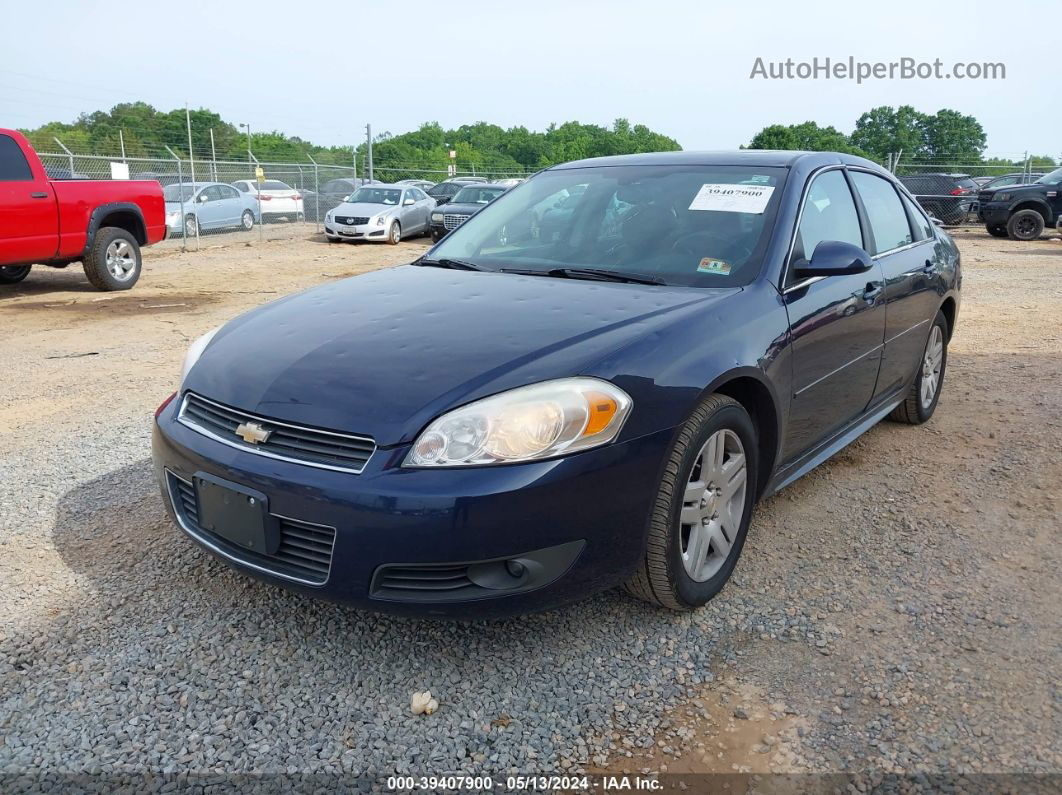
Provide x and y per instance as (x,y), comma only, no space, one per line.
(248,126)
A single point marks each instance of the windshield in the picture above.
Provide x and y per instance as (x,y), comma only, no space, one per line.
(702,226)
(375,196)
(477,195)
(1052,178)
(176,193)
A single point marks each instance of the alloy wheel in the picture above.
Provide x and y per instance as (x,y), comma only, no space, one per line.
(713,505)
(120,260)
(931,363)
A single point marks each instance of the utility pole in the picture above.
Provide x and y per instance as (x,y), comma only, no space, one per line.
(368,136)
(121,142)
(191,155)
(248,126)
(213,156)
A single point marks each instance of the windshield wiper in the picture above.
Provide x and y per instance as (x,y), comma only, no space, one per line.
(600,274)
(453,264)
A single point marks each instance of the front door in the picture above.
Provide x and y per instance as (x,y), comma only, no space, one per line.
(29,217)
(837,323)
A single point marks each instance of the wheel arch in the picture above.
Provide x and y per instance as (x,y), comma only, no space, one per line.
(749,387)
(122,215)
(1033,204)
(949,308)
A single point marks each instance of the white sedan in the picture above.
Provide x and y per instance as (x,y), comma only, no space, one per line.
(278,198)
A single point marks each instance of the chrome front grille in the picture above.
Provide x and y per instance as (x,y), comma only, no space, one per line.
(310,446)
(352,220)
(304,554)
(451,221)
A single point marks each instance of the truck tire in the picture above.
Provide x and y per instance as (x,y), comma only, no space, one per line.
(997,230)
(13,274)
(113,261)
(1025,225)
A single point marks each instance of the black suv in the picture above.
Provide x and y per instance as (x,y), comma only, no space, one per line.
(947,197)
(1021,212)
(444,191)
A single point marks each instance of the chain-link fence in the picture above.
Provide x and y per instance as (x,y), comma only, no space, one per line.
(212,201)
(950,188)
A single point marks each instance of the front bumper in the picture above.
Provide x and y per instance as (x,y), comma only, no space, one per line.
(580,520)
(994,213)
(363,232)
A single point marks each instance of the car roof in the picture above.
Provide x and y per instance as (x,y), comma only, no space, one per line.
(739,157)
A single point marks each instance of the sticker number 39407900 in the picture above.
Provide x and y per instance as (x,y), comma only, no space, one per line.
(730,198)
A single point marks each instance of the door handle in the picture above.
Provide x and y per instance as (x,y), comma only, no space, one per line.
(39,195)
(930,267)
(871,293)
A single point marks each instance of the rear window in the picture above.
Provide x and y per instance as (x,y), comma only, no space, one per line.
(966,183)
(13,164)
(272,184)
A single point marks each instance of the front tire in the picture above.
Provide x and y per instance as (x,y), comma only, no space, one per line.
(921,400)
(1025,225)
(394,234)
(191,226)
(13,274)
(997,230)
(701,517)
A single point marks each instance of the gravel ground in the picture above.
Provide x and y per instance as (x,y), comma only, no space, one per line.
(895,611)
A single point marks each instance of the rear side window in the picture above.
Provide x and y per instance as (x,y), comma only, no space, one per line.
(922,225)
(888,220)
(13,164)
(829,214)
(242,187)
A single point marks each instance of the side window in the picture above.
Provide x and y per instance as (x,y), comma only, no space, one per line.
(242,187)
(227,192)
(13,164)
(213,193)
(829,214)
(888,221)
(923,226)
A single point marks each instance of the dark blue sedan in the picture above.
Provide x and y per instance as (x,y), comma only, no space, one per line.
(519,419)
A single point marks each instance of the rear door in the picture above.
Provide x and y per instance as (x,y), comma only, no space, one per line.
(905,247)
(29,218)
(230,205)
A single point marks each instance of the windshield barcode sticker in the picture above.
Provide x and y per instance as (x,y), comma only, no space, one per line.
(722,197)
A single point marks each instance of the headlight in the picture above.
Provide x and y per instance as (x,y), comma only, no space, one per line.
(436,217)
(174,216)
(1001,197)
(524,424)
(381,220)
(328,216)
(195,350)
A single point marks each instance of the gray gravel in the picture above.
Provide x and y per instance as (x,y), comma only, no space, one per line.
(902,601)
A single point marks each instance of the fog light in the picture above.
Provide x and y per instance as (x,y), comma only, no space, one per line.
(515,568)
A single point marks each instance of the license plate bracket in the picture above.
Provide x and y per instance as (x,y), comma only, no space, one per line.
(237,514)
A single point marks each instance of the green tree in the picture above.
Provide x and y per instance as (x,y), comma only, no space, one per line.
(953,138)
(884,130)
(808,137)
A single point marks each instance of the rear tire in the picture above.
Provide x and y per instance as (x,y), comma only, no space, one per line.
(698,526)
(247,220)
(1025,225)
(921,400)
(13,274)
(998,230)
(113,261)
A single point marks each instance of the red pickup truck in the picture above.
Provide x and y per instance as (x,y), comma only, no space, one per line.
(102,223)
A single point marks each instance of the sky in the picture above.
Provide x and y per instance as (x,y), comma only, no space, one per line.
(323,70)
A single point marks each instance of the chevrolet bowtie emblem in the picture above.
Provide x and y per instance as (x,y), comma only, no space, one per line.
(252,432)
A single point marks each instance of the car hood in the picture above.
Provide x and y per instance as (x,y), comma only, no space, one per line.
(363,209)
(383,353)
(452,208)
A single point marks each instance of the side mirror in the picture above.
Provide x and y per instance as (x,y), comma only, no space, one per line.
(408,202)
(201,198)
(835,258)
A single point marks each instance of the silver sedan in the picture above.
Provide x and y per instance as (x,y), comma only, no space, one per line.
(381,213)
